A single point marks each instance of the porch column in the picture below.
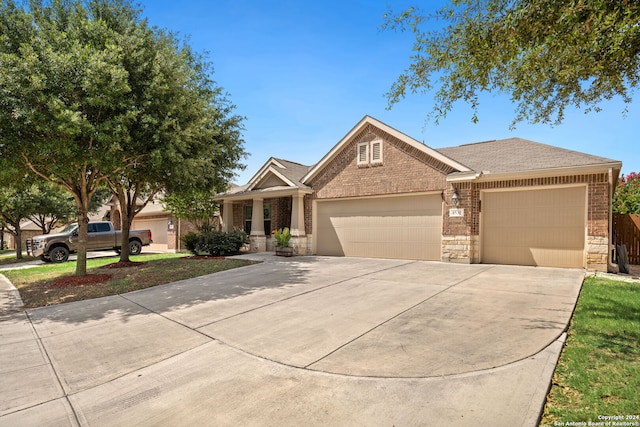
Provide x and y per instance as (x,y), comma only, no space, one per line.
(227,215)
(257,218)
(297,215)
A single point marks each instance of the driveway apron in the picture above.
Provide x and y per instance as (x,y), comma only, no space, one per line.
(313,340)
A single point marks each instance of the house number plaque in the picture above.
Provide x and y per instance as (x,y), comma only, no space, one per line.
(456,213)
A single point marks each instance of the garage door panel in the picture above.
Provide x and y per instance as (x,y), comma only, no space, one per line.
(534,227)
(400,227)
(158,229)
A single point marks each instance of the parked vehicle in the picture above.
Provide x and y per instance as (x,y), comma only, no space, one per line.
(101,237)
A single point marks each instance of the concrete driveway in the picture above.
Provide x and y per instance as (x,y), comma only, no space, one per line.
(304,340)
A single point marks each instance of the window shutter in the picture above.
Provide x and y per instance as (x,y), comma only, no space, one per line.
(363,153)
(376,152)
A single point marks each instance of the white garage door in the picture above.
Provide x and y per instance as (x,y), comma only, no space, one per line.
(534,227)
(405,227)
(158,229)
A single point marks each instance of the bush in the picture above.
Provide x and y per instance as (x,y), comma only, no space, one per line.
(191,241)
(238,239)
(215,242)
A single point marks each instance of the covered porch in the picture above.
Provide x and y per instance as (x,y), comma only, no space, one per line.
(261,212)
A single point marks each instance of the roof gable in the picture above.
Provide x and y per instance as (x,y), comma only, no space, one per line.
(277,173)
(370,121)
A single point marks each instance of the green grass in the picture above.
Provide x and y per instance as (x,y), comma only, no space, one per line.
(51,284)
(598,373)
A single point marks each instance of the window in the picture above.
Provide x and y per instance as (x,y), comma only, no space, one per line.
(363,153)
(248,216)
(370,153)
(267,219)
(248,211)
(98,227)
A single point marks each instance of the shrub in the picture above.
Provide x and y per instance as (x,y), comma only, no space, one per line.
(237,239)
(216,242)
(191,242)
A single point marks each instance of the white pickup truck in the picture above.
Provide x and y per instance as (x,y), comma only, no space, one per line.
(101,237)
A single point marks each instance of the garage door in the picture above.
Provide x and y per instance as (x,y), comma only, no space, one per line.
(405,227)
(534,227)
(158,229)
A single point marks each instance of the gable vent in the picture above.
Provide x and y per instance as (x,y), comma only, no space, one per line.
(363,153)
(376,152)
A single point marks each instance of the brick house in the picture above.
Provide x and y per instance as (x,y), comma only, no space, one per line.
(380,193)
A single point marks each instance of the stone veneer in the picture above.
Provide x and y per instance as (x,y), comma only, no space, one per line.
(460,249)
(597,253)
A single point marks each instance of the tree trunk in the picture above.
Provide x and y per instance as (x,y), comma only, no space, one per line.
(83,222)
(18,234)
(124,238)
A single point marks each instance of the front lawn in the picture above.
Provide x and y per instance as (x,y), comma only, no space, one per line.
(51,284)
(598,374)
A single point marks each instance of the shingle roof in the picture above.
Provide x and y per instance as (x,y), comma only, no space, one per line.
(516,154)
(293,171)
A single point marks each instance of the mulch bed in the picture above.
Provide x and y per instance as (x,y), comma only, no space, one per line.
(204,257)
(89,279)
(123,264)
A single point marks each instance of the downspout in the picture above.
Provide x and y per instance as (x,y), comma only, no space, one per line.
(610,237)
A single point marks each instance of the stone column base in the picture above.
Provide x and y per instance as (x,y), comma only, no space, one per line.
(300,245)
(258,243)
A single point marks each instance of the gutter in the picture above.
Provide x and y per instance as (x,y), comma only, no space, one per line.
(485,176)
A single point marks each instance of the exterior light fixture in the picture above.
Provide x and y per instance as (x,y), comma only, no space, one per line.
(455,198)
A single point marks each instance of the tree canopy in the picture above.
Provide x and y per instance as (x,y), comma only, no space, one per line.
(91,95)
(195,206)
(626,199)
(546,55)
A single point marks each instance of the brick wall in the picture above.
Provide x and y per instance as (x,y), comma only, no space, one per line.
(405,169)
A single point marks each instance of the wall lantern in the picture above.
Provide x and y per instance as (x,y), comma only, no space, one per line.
(170,224)
(455,198)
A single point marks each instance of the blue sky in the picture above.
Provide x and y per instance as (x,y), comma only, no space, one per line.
(303,73)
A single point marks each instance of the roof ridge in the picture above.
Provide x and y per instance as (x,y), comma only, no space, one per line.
(290,161)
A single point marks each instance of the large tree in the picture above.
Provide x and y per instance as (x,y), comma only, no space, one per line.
(54,206)
(16,200)
(79,84)
(547,55)
(16,204)
(187,140)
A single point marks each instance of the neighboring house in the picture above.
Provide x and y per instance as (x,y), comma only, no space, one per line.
(379,193)
(166,230)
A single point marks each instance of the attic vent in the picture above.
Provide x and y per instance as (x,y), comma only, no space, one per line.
(370,153)
(363,153)
(376,152)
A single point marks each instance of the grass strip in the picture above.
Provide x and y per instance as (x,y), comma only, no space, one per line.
(41,286)
(598,374)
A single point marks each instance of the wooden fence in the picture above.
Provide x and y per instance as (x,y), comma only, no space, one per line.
(626,229)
